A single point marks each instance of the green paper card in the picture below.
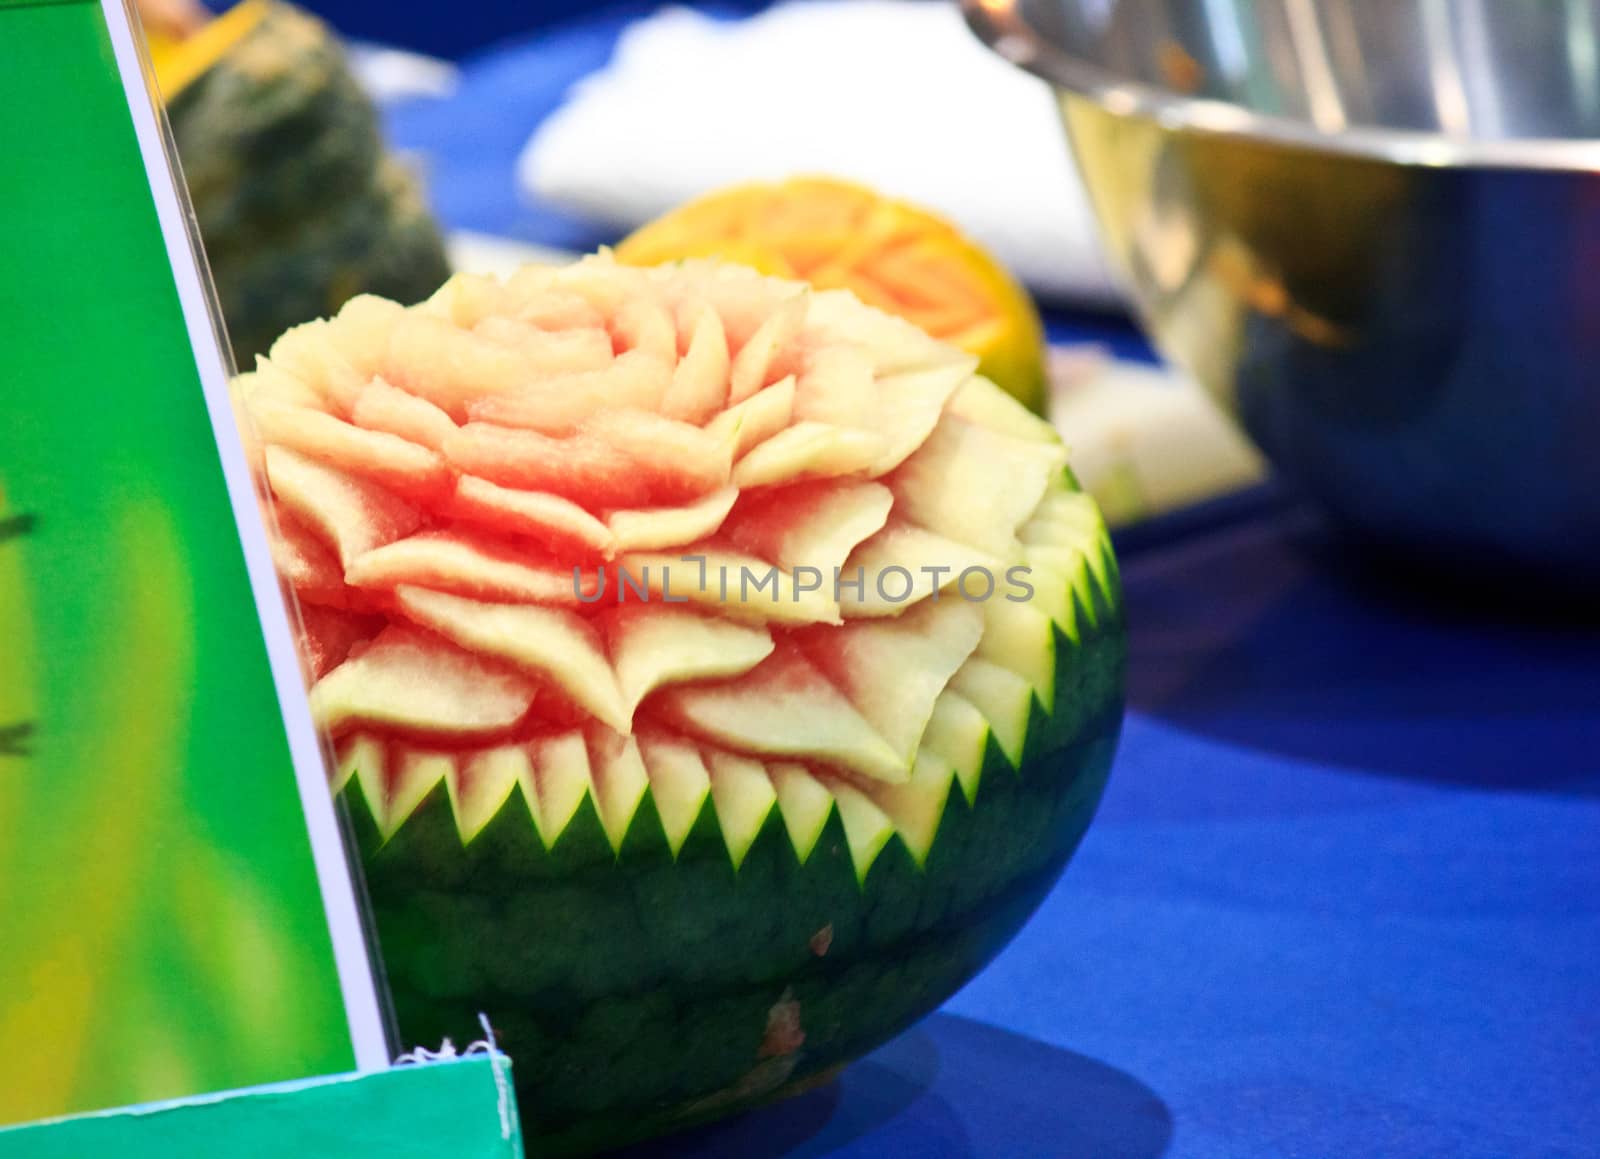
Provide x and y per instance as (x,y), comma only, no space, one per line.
(462,1109)
(176,911)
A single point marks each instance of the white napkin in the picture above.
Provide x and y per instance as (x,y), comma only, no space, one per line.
(896,94)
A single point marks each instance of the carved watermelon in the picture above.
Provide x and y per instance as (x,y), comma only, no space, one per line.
(719,671)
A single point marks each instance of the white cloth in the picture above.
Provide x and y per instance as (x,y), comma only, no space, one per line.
(896,94)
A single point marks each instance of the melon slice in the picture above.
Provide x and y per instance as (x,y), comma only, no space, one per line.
(560,783)
(923,648)
(415,682)
(602,283)
(580,468)
(645,326)
(680,461)
(1020,637)
(450,367)
(306,565)
(743,298)
(652,647)
(867,828)
(744,798)
(814,525)
(381,407)
(619,781)
(269,381)
(357,752)
(561,404)
(679,783)
(654,527)
(1063,529)
(558,524)
(835,316)
(401,466)
(481,784)
(310,354)
(455,563)
(532,282)
(837,386)
(394,793)
(581,349)
(916,808)
(467,299)
(1069,518)
(738,586)
(784,707)
(621,459)
(552,642)
(957,736)
(1082,575)
(754,365)
(756,419)
(974,485)
(902,565)
(1052,590)
(352,516)
(361,331)
(910,407)
(809,450)
(699,386)
(982,403)
(555,310)
(331,634)
(1004,698)
(804,802)
(1070,530)
(505,331)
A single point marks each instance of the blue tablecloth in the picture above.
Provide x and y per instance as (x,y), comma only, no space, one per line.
(1343,896)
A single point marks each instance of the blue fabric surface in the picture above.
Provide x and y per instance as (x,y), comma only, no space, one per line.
(1343,897)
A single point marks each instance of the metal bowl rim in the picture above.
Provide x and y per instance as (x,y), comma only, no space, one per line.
(1000,25)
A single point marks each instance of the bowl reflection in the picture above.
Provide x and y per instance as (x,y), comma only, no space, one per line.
(1373,232)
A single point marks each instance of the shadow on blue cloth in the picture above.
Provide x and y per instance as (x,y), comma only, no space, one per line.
(1272,636)
(949,1088)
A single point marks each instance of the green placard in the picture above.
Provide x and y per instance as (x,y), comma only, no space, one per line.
(461,1109)
(162,921)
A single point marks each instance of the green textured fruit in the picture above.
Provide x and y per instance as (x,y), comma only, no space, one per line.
(297,204)
(686,852)
(381,242)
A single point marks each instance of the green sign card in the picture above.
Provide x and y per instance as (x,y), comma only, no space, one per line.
(176,911)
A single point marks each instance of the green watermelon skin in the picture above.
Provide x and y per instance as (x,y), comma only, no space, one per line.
(382,241)
(297,202)
(276,127)
(640,993)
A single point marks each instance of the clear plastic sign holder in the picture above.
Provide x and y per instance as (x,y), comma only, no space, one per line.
(214,363)
(87,137)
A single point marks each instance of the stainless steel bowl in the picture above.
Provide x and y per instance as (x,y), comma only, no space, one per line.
(1372,229)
